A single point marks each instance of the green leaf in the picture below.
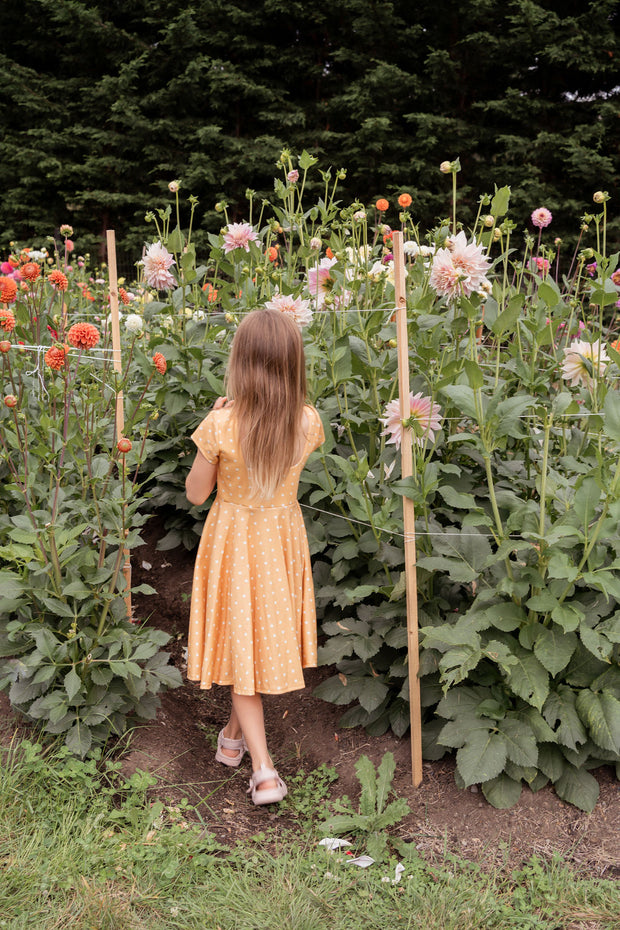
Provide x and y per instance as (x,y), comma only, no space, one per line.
(73,683)
(578,787)
(596,643)
(474,374)
(462,396)
(79,739)
(528,678)
(586,500)
(560,706)
(372,694)
(458,499)
(385,776)
(611,415)
(482,757)
(521,745)
(549,293)
(601,714)
(502,792)
(554,648)
(175,240)
(501,201)
(507,319)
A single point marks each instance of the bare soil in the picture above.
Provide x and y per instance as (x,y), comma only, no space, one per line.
(303,731)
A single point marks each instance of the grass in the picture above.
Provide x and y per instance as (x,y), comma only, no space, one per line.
(82,847)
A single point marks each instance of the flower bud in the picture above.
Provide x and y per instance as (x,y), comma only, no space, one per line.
(220,206)
(315,243)
(489,220)
(174,186)
(600,196)
(123,445)
(557,241)
(10,400)
(5,346)
(497,234)
(445,167)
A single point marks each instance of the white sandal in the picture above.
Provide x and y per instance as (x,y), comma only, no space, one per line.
(266,795)
(236,745)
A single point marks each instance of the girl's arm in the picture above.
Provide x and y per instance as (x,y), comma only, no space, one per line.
(203,475)
(201,480)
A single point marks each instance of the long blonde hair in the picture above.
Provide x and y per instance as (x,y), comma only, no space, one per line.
(266,379)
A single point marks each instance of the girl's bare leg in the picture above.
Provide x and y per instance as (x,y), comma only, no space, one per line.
(246,717)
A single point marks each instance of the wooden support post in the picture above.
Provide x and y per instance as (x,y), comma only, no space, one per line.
(116,354)
(406,449)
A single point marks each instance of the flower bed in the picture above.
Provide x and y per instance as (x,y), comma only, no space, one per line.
(516,421)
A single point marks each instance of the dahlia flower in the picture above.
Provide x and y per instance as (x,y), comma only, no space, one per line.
(459,269)
(582,360)
(541,217)
(320,281)
(133,323)
(293,176)
(30,271)
(425,414)
(238,236)
(55,357)
(157,260)
(7,321)
(404,201)
(296,307)
(160,363)
(59,280)
(83,336)
(8,290)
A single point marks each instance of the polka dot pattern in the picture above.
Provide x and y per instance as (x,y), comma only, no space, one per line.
(252,618)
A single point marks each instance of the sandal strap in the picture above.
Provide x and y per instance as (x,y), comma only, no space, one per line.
(228,743)
(264,774)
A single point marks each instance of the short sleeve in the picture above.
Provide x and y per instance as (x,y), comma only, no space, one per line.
(206,438)
(317,435)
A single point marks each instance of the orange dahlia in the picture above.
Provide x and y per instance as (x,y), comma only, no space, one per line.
(59,280)
(8,290)
(160,363)
(83,335)
(7,321)
(211,292)
(123,296)
(56,356)
(382,205)
(404,201)
(30,271)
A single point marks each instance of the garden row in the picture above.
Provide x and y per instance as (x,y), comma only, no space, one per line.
(516,424)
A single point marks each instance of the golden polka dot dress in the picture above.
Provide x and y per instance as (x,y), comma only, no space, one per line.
(252,620)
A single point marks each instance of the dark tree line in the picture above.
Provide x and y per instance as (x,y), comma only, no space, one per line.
(103,103)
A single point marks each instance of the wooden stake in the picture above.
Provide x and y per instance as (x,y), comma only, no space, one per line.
(116,354)
(406,450)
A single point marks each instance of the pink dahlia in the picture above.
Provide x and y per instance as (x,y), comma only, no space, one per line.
(541,217)
(320,281)
(425,417)
(582,360)
(157,260)
(238,236)
(297,308)
(459,269)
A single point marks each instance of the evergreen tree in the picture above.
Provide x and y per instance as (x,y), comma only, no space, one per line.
(105,102)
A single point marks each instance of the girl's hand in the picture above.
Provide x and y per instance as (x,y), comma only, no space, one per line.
(220,402)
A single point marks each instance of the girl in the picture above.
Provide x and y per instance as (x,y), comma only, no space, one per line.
(252,621)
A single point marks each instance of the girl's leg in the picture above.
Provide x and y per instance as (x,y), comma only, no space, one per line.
(247,717)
